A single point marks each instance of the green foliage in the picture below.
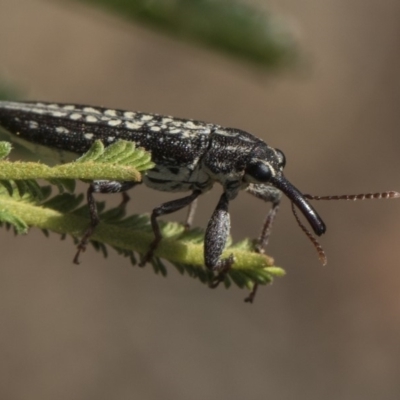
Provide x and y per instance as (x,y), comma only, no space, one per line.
(24,203)
(5,149)
(119,160)
(227,25)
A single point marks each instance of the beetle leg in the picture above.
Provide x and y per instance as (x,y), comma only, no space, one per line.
(166,208)
(125,200)
(270,195)
(263,239)
(215,240)
(100,187)
(190,215)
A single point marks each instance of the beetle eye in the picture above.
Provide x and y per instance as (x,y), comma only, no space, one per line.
(282,158)
(259,171)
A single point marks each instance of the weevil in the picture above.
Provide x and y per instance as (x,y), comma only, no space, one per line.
(189,156)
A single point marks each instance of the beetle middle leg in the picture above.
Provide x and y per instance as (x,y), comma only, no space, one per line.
(190,214)
(166,208)
(215,240)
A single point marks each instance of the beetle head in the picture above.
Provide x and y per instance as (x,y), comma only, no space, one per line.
(265,166)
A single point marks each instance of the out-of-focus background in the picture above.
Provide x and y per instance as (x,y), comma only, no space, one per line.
(105,330)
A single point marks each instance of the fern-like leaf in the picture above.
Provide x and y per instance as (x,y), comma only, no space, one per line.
(25,203)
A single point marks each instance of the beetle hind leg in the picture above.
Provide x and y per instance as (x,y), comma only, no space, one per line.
(100,187)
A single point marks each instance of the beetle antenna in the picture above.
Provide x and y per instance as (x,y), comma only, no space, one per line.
(321,253)
(349,197)
(354,197)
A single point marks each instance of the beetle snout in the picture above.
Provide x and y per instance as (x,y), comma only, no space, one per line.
(316,222)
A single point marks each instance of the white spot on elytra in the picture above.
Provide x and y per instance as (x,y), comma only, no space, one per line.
(91,110)
(155,128)
(88,136)
(133,125)
(129,114)
(69,107)
(115,122)
(175,131)
(190,125)
(187,134)
(33,125)
(110,138)
(58,114)
(91,118)
(75,116)
(146,117)
(110,113)
(176,123)
(37,110)
(166,120)
(61,129)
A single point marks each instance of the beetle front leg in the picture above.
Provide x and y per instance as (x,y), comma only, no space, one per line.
(270,195)
(266,230)
(215,240)
(100,187)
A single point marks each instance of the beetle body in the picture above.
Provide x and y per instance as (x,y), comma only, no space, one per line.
(189,155)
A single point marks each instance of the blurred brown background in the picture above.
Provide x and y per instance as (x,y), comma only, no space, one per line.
(105,330)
